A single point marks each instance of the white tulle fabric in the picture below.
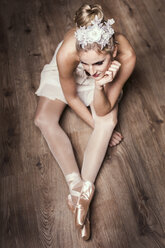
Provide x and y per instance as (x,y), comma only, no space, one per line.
(50,86)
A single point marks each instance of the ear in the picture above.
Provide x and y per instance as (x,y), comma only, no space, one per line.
(115,52)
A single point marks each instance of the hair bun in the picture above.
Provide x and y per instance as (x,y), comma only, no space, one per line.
(86,13)
(95,9)
(96,6)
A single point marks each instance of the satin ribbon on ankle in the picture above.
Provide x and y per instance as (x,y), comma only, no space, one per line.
(73,179)
(88,188)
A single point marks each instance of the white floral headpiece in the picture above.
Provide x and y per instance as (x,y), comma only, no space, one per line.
(97,32)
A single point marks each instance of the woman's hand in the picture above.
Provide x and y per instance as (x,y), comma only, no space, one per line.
(109,75)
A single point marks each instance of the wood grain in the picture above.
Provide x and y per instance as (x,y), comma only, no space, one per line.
(128,208)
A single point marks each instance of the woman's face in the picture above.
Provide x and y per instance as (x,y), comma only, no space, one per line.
(94,63)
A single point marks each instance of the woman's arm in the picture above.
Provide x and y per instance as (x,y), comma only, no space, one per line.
(101,102)
(67,62)
(105,99)
(113,90)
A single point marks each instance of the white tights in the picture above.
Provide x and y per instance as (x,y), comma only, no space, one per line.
(98,143)
(47,119)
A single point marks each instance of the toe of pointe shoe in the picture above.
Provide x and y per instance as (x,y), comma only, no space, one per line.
(84,232)
(83,203)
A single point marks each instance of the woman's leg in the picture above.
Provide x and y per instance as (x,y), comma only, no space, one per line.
(93,157)
(98,143)
(47,119)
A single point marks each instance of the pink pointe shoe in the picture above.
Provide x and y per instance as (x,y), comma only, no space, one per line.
(83,203)
(73,179)
(84,232)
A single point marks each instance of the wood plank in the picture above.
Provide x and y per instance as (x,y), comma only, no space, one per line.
(128,206)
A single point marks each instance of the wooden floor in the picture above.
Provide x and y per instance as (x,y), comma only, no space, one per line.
(128,210)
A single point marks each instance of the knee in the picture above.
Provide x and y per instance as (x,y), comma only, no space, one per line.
(43,121)
(106,122)
(39,120)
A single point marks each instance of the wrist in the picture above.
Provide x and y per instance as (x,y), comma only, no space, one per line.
(98,87)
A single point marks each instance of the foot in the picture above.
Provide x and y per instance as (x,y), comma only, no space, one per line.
(116,138)
(82,206)
(84,231)
(76,185)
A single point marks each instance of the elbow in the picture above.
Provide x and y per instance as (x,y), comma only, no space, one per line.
(131,52)
(110,119)
(103,111)
(132,57)
(133,60)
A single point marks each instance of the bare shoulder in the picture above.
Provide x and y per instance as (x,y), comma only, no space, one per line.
(67,57)
(69,43)
(124,46)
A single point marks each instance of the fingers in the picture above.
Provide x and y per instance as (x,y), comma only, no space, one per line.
(118,134)
(115,62)
(115,65)
(114,142)
(106,79)
(110,73)
(115,139)
(113,69)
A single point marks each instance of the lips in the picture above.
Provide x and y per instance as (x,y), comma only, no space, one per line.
(96,75)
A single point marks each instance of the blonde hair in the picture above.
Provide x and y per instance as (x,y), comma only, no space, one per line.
(83,17)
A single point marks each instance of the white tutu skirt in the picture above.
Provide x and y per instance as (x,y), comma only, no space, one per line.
(50,85)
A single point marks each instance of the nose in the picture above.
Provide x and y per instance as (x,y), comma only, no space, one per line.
(91,70)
